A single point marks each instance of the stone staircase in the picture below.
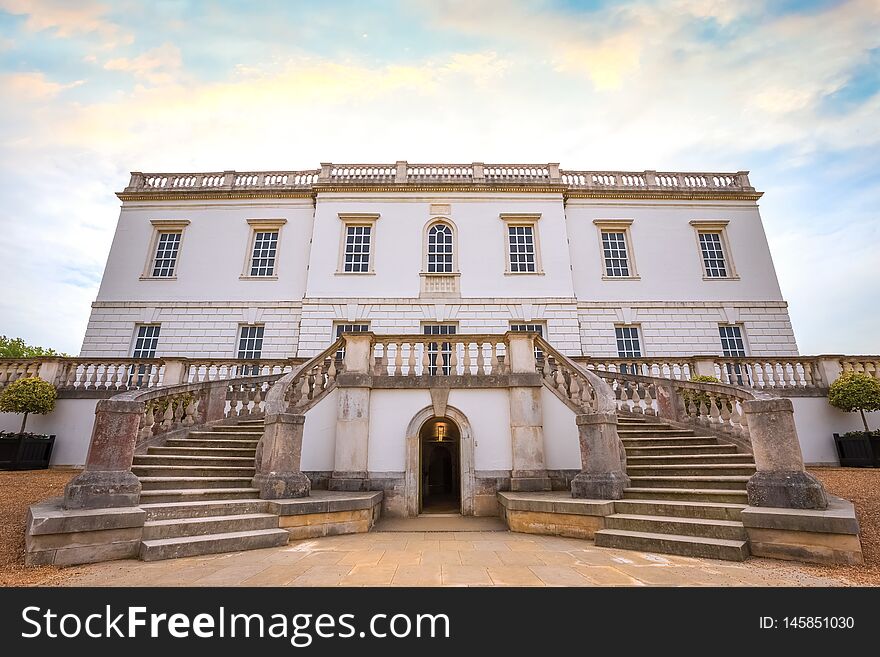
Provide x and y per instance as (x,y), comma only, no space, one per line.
(686,495)
(198,497)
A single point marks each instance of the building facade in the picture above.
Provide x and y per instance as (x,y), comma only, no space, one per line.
(266,265)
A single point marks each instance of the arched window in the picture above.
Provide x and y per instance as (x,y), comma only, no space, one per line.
(440,249)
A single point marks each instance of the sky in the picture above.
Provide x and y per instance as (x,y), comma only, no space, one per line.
(93,89)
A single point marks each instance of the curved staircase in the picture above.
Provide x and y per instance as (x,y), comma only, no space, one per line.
(198,497)
(686,494)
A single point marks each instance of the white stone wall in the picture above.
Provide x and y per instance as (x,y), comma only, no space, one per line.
(687,328)
(206,329)
(407,316)
(71,422)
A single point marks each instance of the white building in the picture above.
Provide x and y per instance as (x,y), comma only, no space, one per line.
(605,265)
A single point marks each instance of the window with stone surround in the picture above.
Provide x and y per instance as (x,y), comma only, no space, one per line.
(358,239)
(440,249)
(164,248)
(264,252)
(714,249)
(616,247)
(523,246)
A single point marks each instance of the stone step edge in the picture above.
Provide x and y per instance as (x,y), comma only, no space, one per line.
(210,538)
(151,480)
(205,519)
(676,491)
(200,491)
(697,478)
(684,503)
(677,519)
(155,506)
(678,538)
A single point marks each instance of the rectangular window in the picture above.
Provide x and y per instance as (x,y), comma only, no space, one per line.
(145,342)
(443,350)
(263,255)
(521,240)
(628,346)
(614,252)
(348,328)
(713,255)
(733,346)
(250,347)
(165,262)
(531,328)
(356,257)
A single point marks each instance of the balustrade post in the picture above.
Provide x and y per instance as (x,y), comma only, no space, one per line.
(555,175)
(400,171)
(215,401)
(602,475)
(50,370)
(829,370)
(353,416)
(704,367)
(278,473)
(176,371)
(780,480)
(529,472)
(107,480)
(670,405)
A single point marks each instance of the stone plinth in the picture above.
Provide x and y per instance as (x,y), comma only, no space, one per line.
(553,513)
(328,513)
(828,535)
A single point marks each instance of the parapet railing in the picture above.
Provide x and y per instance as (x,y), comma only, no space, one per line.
(473,173)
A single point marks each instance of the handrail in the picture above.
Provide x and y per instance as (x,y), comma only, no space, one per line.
(577,386)
(300,389)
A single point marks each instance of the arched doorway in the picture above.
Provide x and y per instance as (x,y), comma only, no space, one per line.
(439,466)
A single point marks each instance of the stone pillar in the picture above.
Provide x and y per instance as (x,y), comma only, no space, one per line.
(353,416)
(704,367)
(780,480)
(529,471)
(602,475)
(829,370)
(175,372)
(280,457)
(214,403)
(49,371)
(107,480)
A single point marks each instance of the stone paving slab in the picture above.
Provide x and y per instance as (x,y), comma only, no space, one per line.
(478,558)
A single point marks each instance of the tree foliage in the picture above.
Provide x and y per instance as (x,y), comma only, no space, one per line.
(18,348)
(855,392)
(28,395)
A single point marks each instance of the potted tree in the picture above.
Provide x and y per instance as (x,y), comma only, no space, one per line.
(857,392)
(23,450)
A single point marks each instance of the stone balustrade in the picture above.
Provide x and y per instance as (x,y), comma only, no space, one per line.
(83,377)
(474,173)
(438,355)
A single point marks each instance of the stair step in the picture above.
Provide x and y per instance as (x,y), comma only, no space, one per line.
(686,459)
(690,469)
(731,530)
(193,442)
(177,483)
(196,494)
(201,451)
(727,482)
(628,432)
(177,527)
(671,450)
(227,435)
(670,441)
(692,494)
(172,459)
(193,471)
(188,546)
(689,546)
(680,509)
(203,508)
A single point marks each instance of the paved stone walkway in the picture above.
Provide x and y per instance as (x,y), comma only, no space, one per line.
(444,559)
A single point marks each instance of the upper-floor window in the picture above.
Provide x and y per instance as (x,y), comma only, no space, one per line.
(714,249)
(732,343)
(165,248)
(440,249)
(356,254)
(614,253)
(264,252)
(521,240)
(628,344)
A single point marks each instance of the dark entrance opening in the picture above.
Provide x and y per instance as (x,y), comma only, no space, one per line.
(440,472)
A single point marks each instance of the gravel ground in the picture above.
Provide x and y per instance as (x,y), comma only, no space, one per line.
(18,490)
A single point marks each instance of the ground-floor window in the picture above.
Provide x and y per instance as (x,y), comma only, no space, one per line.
(442,350)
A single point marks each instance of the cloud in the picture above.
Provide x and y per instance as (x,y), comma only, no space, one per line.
(31,87)
(68,18)
(158,66)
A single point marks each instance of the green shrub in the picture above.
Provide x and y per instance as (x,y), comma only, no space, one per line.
(698,397)
(28,395)
(855,392)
